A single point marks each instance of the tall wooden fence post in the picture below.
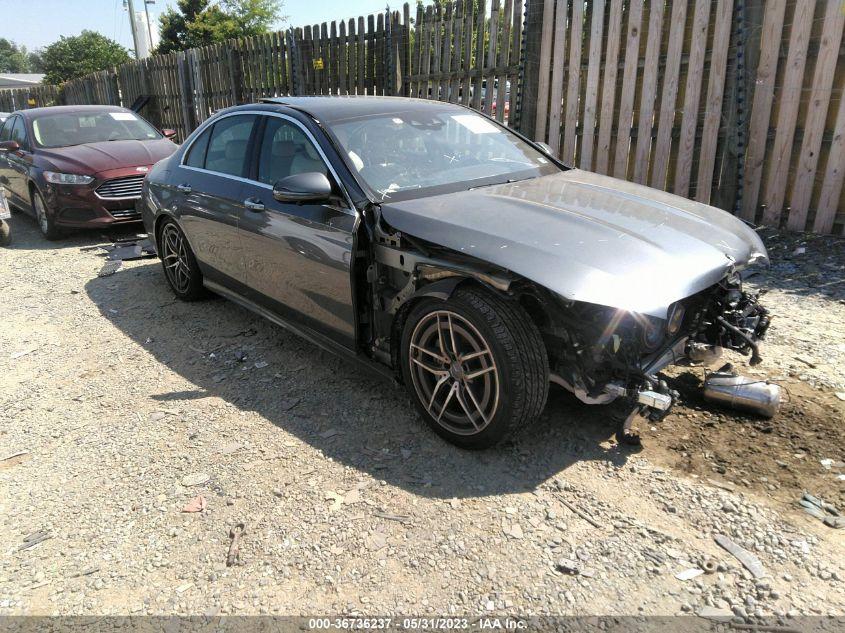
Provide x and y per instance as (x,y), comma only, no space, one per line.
(531,70)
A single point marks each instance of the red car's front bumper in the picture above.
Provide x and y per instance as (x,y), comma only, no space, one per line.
(109,200)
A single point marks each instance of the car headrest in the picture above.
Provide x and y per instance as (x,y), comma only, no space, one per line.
(235,149)
(284,149)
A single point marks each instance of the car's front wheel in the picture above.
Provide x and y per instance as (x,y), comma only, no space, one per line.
(180,266)
(45,223)
(475,365)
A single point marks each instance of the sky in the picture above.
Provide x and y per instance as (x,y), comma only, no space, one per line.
(36,23)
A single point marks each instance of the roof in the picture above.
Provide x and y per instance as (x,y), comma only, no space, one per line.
(339,108)
(34,112)
(21,79)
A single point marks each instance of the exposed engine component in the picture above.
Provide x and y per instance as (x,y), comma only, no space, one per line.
(732,318)
(728,388)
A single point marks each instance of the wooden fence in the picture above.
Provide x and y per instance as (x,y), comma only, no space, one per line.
(656,92)
(738,103)
(12,99)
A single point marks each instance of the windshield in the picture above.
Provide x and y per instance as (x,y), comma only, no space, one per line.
(76,128)
(411,154)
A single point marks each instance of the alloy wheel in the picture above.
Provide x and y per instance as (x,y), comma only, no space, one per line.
(454,372)
(41,214)
(175,257)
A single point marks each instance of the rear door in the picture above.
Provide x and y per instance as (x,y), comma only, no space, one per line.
(298,256)
(209,182)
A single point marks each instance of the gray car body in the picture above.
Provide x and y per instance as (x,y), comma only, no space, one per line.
(588,237)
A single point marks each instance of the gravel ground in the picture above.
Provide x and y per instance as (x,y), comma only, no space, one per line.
(128,404)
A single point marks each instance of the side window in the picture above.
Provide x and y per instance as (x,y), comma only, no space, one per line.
(196,155)
(286,150)
(228,144)
(6,129)
(19,132)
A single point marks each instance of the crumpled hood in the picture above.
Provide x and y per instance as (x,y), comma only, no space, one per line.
(93,158)
(588,237)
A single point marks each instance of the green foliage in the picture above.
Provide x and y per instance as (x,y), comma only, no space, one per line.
(16,59)
(80,55)
(200,22)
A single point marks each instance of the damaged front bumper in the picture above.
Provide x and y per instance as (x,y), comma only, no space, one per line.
(722,317)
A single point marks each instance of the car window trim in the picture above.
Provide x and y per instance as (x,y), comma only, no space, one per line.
(262,113)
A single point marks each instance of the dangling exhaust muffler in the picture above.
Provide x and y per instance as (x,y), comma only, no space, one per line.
(728,388)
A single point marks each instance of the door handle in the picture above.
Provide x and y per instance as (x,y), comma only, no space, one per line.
(184,188)
(253,204)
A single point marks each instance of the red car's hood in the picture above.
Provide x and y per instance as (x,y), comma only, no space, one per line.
(93,158)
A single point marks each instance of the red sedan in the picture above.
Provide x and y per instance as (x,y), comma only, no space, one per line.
(78,166)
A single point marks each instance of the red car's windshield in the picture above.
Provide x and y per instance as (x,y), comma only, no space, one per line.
(76,128)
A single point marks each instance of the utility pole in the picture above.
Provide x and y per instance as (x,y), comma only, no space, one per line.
(131,8)
(149,24)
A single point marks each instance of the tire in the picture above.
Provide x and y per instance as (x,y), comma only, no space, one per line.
(180,266)
(503,382)
(46,224)
(5,233)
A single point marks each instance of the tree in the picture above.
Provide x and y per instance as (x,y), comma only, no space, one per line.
(80,55)
(200,22)
(14,58)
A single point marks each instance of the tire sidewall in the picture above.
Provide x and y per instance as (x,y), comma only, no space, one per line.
(52,232)
(499,426)
(195,290)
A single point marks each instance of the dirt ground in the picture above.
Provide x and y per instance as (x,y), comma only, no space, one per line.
(126,404)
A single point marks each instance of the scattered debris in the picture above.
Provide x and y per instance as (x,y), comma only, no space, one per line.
(21,354)
(581,514)
(806,361)
(709,566)
(34,539)
(513,530)
(197,504)
(195,479)
(748,560)
(129,250)
(329,433)
(689,574)
(568,566)
(399,518)
(840,395)
(13,456)
(724,485)
(825,512)
(184,587)
(714,613)
(110,268)
(86,572)
(234,555)
(261,364)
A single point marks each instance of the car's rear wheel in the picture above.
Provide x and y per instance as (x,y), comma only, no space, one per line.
(180,266)
(475,366)
(45,223)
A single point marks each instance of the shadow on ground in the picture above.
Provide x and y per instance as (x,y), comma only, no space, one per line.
(350,416)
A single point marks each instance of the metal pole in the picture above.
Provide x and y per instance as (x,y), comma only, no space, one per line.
(149,24)
(131,8)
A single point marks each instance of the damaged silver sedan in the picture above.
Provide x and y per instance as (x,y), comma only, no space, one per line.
(439,247)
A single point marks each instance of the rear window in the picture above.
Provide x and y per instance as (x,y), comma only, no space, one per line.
(77,128)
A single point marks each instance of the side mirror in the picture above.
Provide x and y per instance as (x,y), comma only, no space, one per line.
(9,146)
(311,186)
(546,148)
(168,133)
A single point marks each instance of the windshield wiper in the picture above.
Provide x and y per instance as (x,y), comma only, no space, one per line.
(493,184)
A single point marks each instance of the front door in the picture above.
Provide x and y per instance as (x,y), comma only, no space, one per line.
(298,256)
(209,185)
(18,164)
